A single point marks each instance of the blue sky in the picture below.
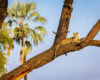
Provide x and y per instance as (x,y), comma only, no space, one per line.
(78,65)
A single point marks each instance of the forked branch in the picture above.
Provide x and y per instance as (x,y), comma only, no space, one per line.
(48,55)
(91,34)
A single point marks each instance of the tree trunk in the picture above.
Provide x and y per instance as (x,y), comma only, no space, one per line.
(3,11)
(25,77)
(48,55)
(23,53)
(64,21)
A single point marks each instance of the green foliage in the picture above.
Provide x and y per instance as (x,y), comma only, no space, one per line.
(24,10)
(5,39)
(28,47)
(21,13)
(4,25)
(41,29)
(41,19)
(20,9)
(5,42)
(36,36)
(19,32)
(3,62)
(33,14)
(18,12)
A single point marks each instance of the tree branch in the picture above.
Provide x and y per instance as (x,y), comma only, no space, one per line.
(94,43)
(48,55)
(64,21)
(3,11)
(91,34)
(42,59)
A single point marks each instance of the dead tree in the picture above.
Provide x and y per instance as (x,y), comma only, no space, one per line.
(48,55)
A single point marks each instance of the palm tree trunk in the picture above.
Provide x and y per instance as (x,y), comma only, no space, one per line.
(25,77)
(23,52)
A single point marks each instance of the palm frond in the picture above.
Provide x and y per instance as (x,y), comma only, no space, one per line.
(28,47)
(4,25)
(17,32)
(10,22)
(6,45)
(41,19)
(40,37)
(3,62)
(33,14)
(26,25)
(41,29)
(28,44)
(35,37)
(30,7)
(5,39)
(20,9)
(26,31)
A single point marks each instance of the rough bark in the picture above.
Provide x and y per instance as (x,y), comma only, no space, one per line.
(91,34)
(95,43)
(3,11)
(48,55)
(64,21)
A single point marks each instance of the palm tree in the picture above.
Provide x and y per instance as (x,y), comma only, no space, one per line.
(21,14)
(5,43)
(3,61)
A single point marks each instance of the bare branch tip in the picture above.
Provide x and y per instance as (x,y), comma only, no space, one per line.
(54,32)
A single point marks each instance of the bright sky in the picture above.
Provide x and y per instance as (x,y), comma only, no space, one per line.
(79,65)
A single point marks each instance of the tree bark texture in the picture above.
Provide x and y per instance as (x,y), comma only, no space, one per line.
(48,55)
(3,11)
(64,21)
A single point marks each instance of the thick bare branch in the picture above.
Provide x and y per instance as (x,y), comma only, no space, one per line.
(64,21)
(3,11)
(91,34)
(42,59)
(94,43)
(48,55)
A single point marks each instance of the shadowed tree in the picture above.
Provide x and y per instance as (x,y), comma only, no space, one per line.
(2,63)
(5,43)
(21,14)
(4,37)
